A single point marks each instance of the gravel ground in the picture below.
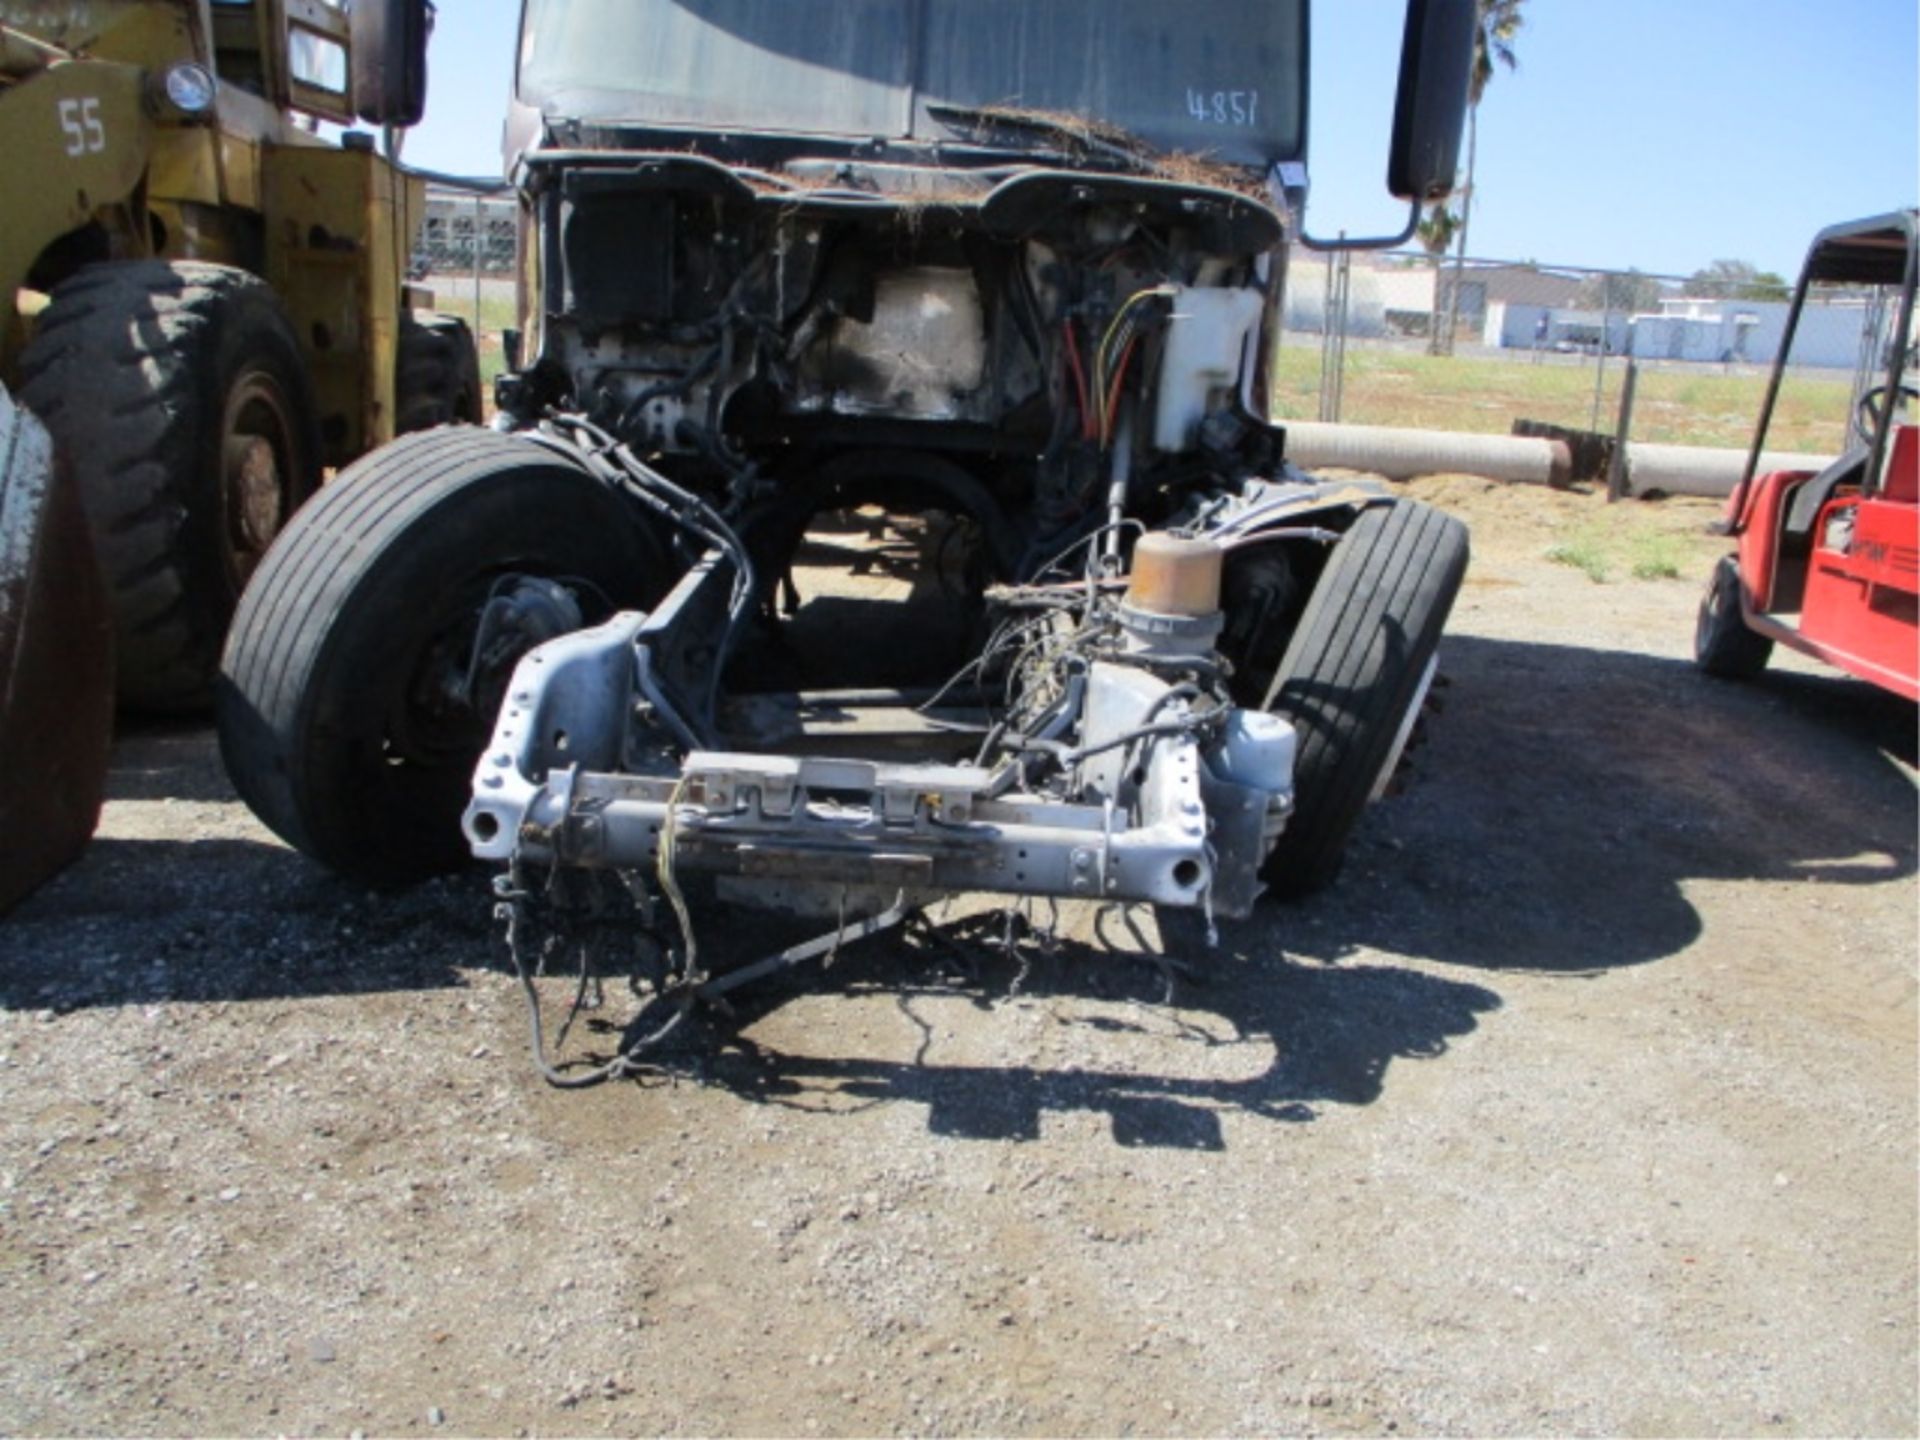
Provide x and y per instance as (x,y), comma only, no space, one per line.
(1584,1103)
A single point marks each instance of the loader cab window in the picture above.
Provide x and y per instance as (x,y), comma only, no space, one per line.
(239,51)
(317,60)
(293,53)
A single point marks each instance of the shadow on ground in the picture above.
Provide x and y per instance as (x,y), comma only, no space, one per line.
(1566,796)
(140,922)
(166,760)
(1316,1035)
(1562,802)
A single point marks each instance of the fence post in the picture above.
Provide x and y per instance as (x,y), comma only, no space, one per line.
(1617,465)
(1340,354)
(1326,336)
(479,226)
(1600,368)
(1333,332)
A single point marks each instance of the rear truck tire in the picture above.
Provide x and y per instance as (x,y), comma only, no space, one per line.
(178,394)
(436,375)
(341,711)
(1354,674)
(1722,643)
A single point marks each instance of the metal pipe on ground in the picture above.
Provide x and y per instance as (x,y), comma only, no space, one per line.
(1697,470)
(1400,454)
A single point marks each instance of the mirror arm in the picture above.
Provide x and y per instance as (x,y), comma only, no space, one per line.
(1364,242)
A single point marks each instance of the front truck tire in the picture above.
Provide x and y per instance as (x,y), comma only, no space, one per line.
(341,721)
(1354,673)
(177,393)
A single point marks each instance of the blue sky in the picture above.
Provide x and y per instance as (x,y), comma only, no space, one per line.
(1658,134)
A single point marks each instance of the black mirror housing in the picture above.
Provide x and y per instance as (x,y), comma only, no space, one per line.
(390,60)
(1436,63)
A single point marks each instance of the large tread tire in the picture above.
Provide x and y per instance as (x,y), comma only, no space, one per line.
(332,725)
(149,374)
(56,662)
(437,375)
(1352,673)
(1722,643)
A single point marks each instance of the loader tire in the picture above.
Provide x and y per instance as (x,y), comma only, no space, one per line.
(178,394)
(339,706)
(437,376)
(1354,673)
(56,662)
(1722,643)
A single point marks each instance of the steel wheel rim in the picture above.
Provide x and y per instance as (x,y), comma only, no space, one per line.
(257,466)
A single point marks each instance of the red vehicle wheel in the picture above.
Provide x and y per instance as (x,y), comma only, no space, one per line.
(1722,643)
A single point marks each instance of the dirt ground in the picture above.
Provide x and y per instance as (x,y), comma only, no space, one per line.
(1584,1103)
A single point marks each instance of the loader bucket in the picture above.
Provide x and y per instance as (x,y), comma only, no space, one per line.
(56,662)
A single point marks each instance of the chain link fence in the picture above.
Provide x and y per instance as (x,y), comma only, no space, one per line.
(1403,338)
(465,234)
(466,254)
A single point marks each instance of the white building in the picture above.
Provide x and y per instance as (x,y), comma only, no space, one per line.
(1689,328)
(1380,301)
(1513,325)
(1750,332)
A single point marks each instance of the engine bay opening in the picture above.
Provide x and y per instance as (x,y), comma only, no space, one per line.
(870,600)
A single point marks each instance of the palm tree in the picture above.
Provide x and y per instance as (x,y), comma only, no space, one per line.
(1500,22)
(1436,233)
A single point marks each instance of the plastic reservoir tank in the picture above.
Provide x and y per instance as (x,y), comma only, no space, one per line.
(1206,344)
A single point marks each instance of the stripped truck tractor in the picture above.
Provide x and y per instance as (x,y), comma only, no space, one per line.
(1827,562)
(56,662)
(887,505)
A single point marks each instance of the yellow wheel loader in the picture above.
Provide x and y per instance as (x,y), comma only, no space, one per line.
(203,307)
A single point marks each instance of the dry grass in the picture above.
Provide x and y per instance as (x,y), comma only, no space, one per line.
(1184,168)
(1700,406)
(1638,541)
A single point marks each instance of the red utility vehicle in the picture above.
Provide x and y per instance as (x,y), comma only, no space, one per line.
(1828,562)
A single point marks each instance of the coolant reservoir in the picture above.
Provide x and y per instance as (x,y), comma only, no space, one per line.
(1258,752)
(1204,354)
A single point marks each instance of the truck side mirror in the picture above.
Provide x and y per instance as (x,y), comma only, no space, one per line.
(1436,61)
(390,60)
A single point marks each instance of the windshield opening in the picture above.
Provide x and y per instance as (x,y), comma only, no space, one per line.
(1222,79)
